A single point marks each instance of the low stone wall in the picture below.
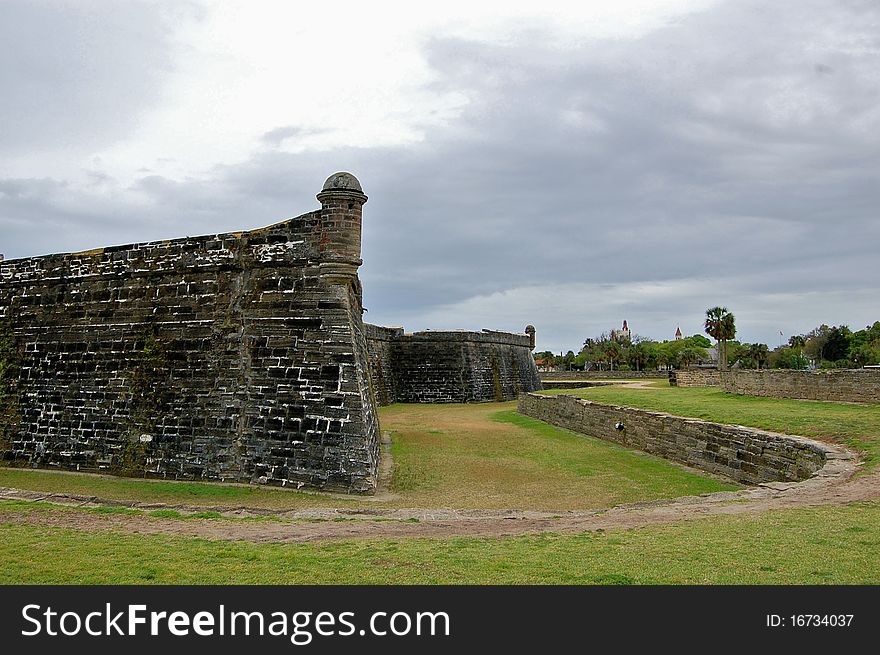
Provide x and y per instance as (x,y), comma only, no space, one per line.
(580,384)
(695,377)
(746,455)
(847,385)
(600,375)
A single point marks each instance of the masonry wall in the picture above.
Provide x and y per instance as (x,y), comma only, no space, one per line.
(226,357)
(381,346)
(600,375)
(579,384)
(450,367)
(851,385)
(695,377)
(742,454)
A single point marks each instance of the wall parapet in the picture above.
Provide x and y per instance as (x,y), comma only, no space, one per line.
(281,244)
(485,336)
(743,454)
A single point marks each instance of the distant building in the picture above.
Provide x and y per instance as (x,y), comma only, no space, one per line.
(623,334)
(678,334)
(712,353)
(544,366)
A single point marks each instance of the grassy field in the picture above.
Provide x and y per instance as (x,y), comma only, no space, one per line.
(857,426)
(484,456)
(166,492)
(481,456)
(831,545)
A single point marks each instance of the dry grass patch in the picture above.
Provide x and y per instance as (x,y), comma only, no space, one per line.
(486,456)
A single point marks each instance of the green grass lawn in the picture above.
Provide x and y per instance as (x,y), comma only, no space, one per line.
(829,545)
(479,456)
(166,492)
(857,426)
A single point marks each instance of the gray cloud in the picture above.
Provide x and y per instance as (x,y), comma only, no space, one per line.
(732,156)
(278,135)
(79,74)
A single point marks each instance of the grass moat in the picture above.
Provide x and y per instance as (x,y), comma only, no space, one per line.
(478,456)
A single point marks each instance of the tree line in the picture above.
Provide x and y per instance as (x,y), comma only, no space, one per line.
(831,347)
(822,347)
(637,353)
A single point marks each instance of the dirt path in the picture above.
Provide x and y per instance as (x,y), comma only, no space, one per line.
(835,485)
(640,384)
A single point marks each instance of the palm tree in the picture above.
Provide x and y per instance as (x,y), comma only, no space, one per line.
(663,358)
(688,356)
(798,342)
(612,351)
(720,326)
(638,355)
(760,353)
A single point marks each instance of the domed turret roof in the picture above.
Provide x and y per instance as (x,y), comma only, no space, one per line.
(342,181)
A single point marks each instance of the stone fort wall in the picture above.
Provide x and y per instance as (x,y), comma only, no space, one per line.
(559,376)
(449,366)
(847,385)
(236,356)
(746,455)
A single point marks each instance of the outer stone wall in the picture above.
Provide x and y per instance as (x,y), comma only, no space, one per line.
(381,351)
(579,384)
(695,377)
(450,367)
(743,454)
(851,385)
(600,375)
(229,357)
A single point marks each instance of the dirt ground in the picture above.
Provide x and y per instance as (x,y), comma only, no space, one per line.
(836,487)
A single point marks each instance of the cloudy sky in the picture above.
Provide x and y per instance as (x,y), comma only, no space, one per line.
(568,165)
